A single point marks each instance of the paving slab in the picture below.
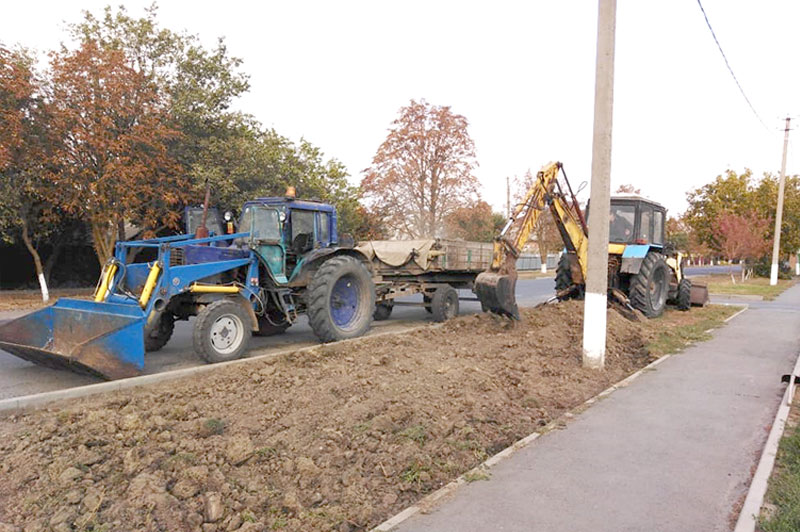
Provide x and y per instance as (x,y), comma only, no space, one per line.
(673,452)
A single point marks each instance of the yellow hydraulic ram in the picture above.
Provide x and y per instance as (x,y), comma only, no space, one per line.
(107,277)
(150,284)
(213,289)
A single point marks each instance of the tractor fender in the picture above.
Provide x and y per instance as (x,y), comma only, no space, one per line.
(632,257)
(302,275)
(207,299)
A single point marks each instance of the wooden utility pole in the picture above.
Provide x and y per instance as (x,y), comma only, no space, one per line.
(594,310)
(776,243)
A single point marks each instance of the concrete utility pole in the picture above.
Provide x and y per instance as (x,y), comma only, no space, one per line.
(594,309)
(776,244)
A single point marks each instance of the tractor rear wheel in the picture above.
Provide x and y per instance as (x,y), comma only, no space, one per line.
(157,337)
(341,299)
(383,311)
(684,294)
(649,288)
(221,331)
(444,304)
(564,279)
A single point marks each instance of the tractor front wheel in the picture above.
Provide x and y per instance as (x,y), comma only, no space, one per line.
(341,299)
(649,288)
(221,331)
(684,294)
(157,336)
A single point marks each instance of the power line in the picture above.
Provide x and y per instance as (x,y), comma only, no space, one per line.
(727,64)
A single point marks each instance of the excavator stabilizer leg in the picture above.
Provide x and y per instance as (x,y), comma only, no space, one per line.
(497,293)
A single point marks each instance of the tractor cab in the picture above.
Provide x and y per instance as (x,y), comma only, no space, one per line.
(636,220)
(286,232)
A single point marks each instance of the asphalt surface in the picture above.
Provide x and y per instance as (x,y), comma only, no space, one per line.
(672,452)
(19,377)
(711,270)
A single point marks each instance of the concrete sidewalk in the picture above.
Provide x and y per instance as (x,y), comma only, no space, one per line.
(674,451)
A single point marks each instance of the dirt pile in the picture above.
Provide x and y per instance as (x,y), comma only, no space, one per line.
(337,438)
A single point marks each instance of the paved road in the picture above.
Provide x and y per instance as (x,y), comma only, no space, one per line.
(672,452)
(711,270)
(18,377)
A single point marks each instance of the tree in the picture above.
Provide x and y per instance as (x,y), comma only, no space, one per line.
(231,150)
(422,173)
(728,193)
(112,161)
(743,237)
(475,223)
(678,234)
(24,145)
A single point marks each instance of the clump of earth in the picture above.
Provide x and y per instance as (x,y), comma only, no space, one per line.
(338,438)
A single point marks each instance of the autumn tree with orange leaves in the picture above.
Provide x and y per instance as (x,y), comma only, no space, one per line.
(422,173)
(24,146)
(111,164)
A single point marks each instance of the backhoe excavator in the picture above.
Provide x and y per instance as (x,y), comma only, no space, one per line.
(643,272)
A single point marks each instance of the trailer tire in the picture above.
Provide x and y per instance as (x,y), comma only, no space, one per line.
(221,331)
(650,287)
(157,337)
(382,311)
(426,300)
(444,304)
(684,300)
(341,299)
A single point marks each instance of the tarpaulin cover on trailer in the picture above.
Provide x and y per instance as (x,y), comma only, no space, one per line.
(398,252)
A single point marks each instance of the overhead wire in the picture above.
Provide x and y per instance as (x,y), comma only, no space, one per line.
(727,64)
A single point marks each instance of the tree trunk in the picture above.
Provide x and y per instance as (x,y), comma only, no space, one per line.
(53,258)
(103,240)
(37,261)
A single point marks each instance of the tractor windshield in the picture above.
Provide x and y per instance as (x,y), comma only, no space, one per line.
(262,222)
(620,223)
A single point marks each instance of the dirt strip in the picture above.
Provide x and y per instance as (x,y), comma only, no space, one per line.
(336,438)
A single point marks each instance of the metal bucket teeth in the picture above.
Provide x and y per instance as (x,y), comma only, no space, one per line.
(100,339)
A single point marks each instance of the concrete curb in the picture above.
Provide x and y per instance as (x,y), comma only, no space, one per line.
(448,489)
(40,399)
(748,516)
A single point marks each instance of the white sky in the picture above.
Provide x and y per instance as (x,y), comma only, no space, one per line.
(336,73)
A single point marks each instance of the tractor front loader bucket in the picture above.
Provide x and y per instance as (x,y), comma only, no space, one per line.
(496,292)
(101,339)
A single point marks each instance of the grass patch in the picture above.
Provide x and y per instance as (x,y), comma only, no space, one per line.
(783,494)
(756,286)
(475,476)
(676,330)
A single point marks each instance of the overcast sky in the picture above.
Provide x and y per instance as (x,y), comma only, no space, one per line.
(522,73)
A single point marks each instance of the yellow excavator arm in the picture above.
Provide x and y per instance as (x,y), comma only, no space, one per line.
(496,286)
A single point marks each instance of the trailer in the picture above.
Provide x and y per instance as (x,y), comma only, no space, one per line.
(435,268)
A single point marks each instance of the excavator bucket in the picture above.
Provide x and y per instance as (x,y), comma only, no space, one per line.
(101,339)
(496,292)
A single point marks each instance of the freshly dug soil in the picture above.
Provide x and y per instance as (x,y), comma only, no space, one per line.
(337,438)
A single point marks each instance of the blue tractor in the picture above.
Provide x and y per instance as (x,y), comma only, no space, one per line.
(286,259)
